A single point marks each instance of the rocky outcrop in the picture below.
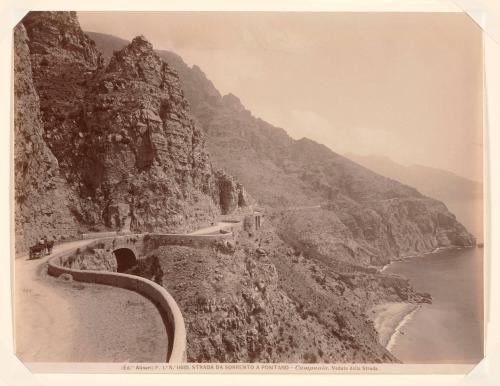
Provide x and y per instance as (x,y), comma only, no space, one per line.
(365,218)
(120,136)
(42,198)
(151,154)
(231,194)
(93,259)
(252,304)
(63,60)
(372,235)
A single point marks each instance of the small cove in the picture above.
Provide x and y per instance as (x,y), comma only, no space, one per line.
(450,330)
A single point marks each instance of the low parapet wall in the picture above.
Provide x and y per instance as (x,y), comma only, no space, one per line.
(197,241)
(95,235)
(174,322)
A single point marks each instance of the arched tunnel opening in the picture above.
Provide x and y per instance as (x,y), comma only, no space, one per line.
(125,259)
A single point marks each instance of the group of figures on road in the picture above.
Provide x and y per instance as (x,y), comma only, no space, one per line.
(41,248)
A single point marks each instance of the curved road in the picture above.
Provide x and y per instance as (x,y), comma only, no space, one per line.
(214,228)
(74,322)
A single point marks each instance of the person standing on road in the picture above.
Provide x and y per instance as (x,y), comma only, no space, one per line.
(43,244)
(50,244)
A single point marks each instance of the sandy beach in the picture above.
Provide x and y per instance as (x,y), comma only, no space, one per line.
(389,318)
(450,330)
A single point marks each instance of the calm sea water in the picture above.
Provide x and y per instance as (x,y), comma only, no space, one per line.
(450,330)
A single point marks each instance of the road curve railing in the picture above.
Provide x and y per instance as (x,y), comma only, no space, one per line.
(171,314)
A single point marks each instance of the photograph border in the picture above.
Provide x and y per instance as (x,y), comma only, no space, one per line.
(14,372)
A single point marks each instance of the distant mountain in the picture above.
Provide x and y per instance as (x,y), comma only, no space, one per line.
(464,197)
(433,182)
(364,219)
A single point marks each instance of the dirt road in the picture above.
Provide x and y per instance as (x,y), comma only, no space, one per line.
(214,228)
(75,322)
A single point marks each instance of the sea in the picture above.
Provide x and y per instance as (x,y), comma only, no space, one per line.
(450,330)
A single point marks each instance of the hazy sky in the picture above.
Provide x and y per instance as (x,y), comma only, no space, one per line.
(408,86)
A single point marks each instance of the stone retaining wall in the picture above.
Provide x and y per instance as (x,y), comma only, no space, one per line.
(171,314)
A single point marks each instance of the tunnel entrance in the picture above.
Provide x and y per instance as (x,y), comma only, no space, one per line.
(125,259)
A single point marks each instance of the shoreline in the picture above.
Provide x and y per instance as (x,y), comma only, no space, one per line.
(409,257)
(389,319)
(399,328)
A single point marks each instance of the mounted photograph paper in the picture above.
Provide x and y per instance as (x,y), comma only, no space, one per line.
(248,192)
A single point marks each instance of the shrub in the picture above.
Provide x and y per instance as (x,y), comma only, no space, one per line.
(248,223)
(310,357)
(201,300)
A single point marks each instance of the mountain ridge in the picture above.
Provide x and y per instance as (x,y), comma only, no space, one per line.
(376,218)
(125,145)
(463,196)
(380,164)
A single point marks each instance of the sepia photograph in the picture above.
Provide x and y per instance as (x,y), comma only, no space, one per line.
(248,191)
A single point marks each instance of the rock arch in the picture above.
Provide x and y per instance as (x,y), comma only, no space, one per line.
(125,259)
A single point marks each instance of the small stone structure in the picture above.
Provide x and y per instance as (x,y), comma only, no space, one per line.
(258,220)
(253,221)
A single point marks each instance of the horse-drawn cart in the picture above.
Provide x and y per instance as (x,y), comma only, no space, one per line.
(41,249)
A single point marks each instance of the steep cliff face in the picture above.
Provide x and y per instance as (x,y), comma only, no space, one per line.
(63,60)
(138,132)
(463,197)
(364,218)
(119,137)
(265,302)
(41,194)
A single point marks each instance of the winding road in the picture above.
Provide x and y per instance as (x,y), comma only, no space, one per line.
(66,321)
(214,228)
(74,322)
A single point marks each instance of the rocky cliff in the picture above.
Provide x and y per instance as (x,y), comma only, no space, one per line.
(363,218)
(42,197)
(463,197)
(120,136)
(262,301)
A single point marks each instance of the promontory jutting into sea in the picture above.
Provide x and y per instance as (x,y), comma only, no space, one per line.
(248,188)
